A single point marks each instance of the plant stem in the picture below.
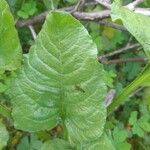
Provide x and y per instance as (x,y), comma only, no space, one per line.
(143,77)
(5,111)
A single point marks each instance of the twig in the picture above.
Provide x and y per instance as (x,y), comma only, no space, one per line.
(81,15)
(144,11)
(40,17)
(136,92)
(78,6)
(113,25)
(121,60)
(132,5)
(92,15)
(32,31)
(122,50)
(109,97)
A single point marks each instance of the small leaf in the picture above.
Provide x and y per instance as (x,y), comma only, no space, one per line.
(15,5)
(22,14)
(119,135)
(137,130)
(51,4)
(133,118)
(144,122)
(31,143)
(4,136)
(28,9)
(123,146)
(103,143)
(23,144)
(57,144)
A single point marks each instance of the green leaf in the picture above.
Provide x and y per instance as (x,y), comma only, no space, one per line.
(23,144)
(135,24)
(4,136)
(103,143)
(15,5)
(29,143)
(51,4)
(10,50)
(28,9)
(57,144)
(123,146)
(137,130)
(133,118)
(119,135)
(22,14)
(61,82)
(144,122)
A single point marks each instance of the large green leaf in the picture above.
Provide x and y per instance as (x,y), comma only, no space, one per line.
(61,82)
(10,50)
(4,136)
(138,25)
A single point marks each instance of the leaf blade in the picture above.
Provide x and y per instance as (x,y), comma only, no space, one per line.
(57,144)
(57,84)
(10,49)
(136,24)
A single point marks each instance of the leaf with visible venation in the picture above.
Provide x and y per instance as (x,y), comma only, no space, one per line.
(10,49)
(103,143)
(138,25)
(29,143)
(57,144)
(61,82)
(4,136)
